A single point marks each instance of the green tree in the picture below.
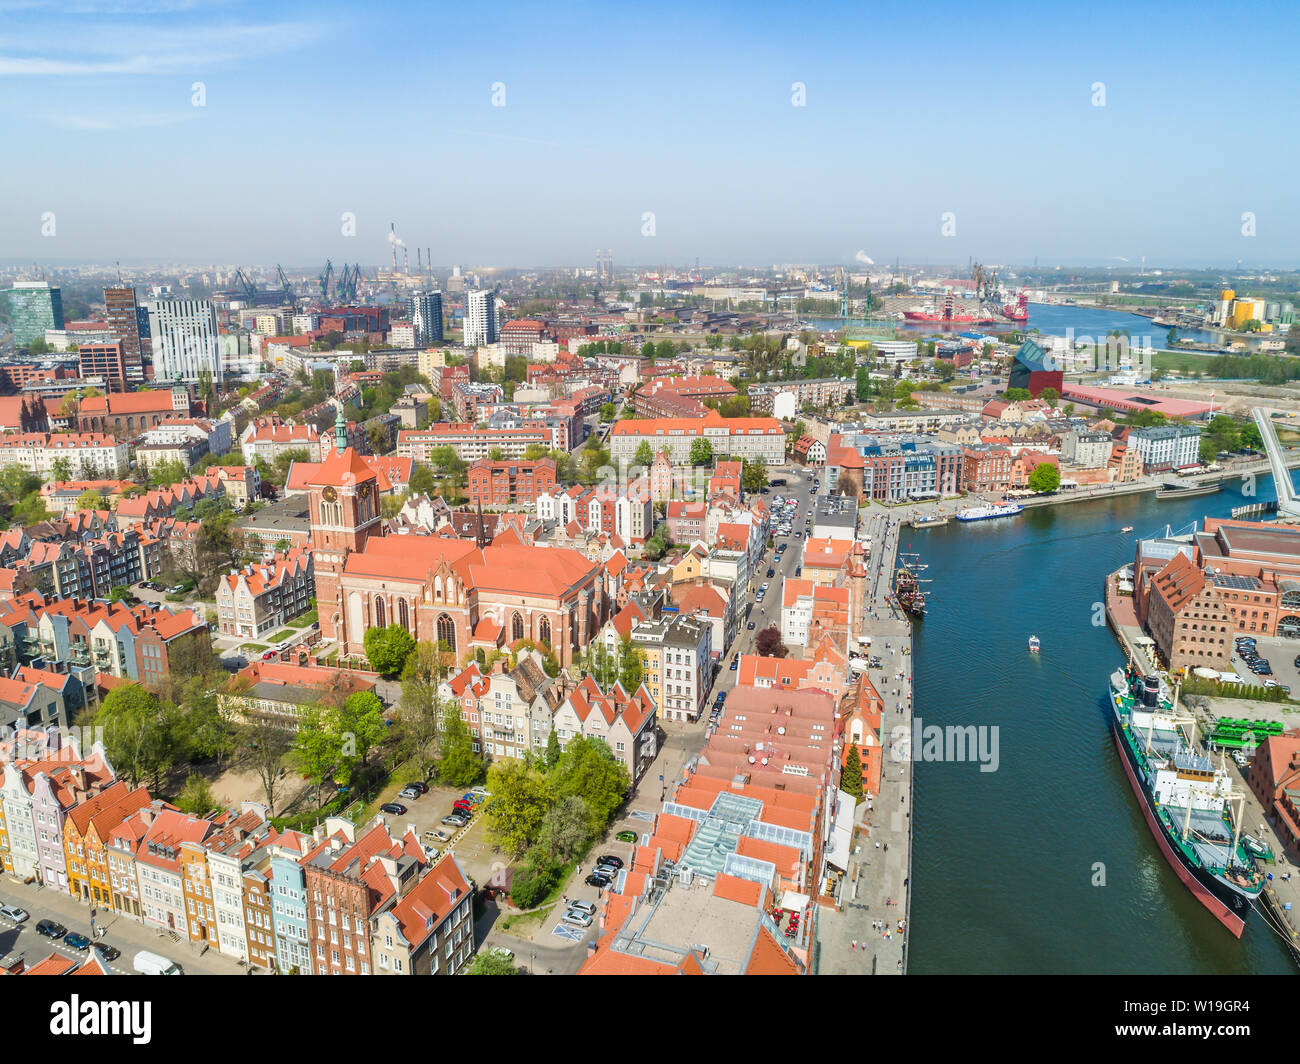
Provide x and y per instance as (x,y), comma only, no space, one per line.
(139,735)
(587,769)
(422,481)
(1013,395)
(419,713)
(388,648)
(460,765)
(1045,477)
(631,666)
(645,455)
(362,718)
(1050,396)
(488,963)
(754,476)
(608,412)
(701,452)
(514,813)
(317,751)
(851,777)
(552,749)
(90,499)
(61,469)
(196,797)
(566,828)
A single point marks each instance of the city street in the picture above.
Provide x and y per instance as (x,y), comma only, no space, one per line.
(45,903)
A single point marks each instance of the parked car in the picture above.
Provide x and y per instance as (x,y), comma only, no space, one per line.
(626,836)
(77,940)
(598,881)
(749,627)
(472,798)
(481,790)
(395,808)
(734,663)
(408,792)
(609,859)
(50,929)
(423,788)
(14,913)
(147,963)
(587,907)
(722,697)
(463,807)
(577,918)
(454,820)
(111,953)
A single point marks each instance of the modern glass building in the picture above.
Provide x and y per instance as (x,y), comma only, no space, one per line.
(34,306)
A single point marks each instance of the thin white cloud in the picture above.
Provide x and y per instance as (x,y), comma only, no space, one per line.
(144,51)
(94,123)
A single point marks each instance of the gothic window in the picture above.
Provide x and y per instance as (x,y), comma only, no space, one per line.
(403,614)
(379,613)
(516,627)
(447,632)
(544,631)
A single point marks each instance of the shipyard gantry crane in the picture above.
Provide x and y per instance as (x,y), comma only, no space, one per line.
(325,281)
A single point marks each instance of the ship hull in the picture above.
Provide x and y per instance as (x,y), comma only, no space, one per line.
(1230,911)
(989,517)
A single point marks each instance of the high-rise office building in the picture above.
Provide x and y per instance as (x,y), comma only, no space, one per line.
(480,318)
(426,313)
(34,306)
(184,336)
(123,315)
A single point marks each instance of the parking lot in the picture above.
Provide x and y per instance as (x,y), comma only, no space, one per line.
(469,843)
(1280,653)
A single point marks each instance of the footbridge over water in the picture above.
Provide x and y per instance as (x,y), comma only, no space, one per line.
(1287,503)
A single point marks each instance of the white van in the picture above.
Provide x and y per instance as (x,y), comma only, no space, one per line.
(147,963)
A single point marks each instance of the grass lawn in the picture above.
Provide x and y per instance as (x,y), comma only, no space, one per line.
(525,925)
(256,647)
(1183,361)
(305,621)
(282,635)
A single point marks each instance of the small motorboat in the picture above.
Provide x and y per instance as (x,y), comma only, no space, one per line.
(1127,528)
(1033,644)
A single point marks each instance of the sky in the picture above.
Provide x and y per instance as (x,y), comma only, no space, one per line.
(231,132)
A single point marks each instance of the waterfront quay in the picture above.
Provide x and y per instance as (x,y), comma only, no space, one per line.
(877,889)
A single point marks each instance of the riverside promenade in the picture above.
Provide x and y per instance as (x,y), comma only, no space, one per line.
(877,887)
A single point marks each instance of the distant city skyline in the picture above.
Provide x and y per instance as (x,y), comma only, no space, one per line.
(152,131)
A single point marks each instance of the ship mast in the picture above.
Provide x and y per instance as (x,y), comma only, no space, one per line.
(1187,820)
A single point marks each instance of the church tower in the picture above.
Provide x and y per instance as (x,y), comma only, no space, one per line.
(344,501)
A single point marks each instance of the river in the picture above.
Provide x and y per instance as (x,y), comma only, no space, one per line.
(1004,862)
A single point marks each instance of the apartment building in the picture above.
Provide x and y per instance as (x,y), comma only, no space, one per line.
(264,596)
(89,455)
(679,660)
(1163,448)
(624,721)
(469,442)
(429,930)
(985,467)
(497,484)
(737,437)
(278,691)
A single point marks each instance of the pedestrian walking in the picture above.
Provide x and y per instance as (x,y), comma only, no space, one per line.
(855,945)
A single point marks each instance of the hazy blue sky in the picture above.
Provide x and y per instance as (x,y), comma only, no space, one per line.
(385,110)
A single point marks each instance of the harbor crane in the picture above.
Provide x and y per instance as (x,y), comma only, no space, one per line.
(325,281)
(284,284)
(250,291)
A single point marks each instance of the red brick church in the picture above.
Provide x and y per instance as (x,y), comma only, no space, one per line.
(460,592)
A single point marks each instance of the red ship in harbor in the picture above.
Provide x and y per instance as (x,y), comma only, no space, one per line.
(947,315)
(1019,310)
